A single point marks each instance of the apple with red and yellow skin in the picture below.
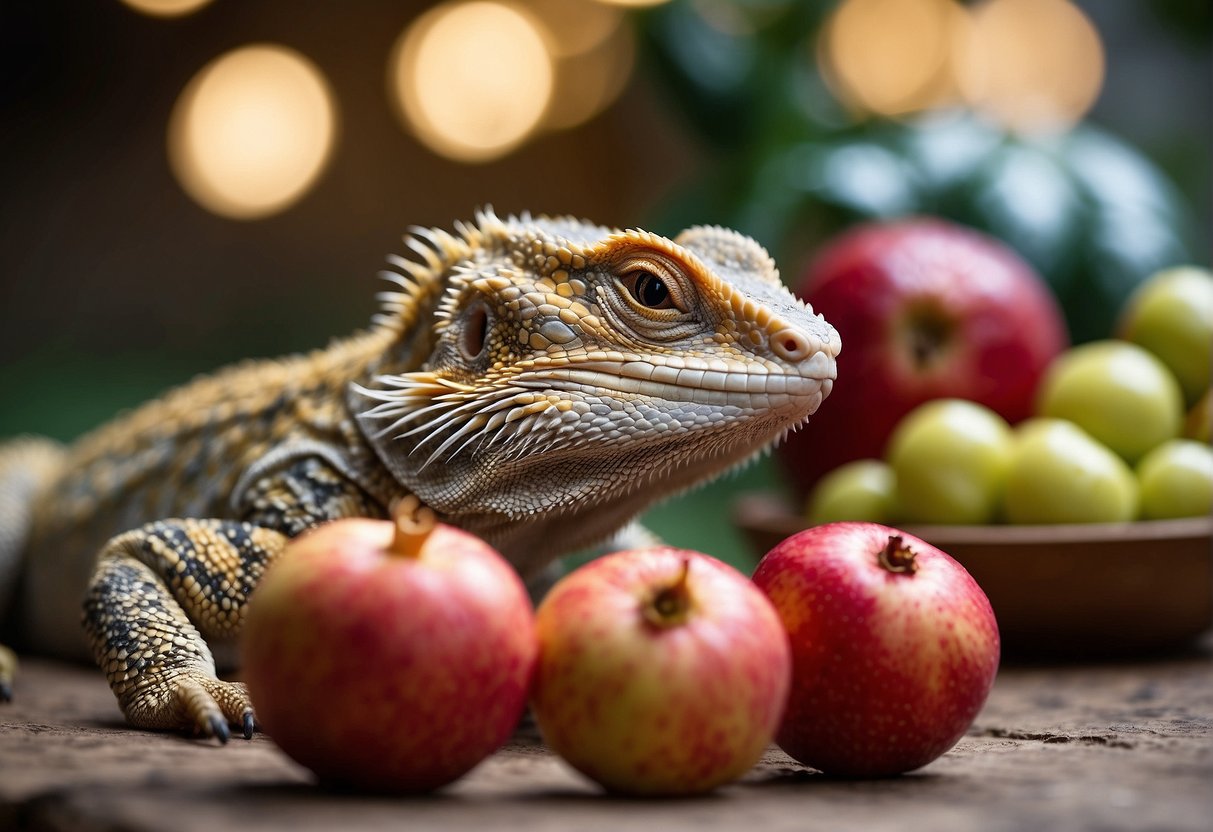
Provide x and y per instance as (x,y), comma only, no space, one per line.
(661,672)
(894,647)
(389,657)
(926,309)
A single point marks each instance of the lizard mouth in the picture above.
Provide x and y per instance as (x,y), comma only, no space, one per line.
(722,385)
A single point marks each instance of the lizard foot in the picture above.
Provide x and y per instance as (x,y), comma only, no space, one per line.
(8,669)
(196,703)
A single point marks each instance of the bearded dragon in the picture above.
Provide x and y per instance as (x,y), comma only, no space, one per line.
(537,381)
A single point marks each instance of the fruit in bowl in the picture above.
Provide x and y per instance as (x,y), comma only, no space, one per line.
(1118,392)
(863,489)
(926,309)
(1171,315)
(949,459)
(1059,474)
(1177,480)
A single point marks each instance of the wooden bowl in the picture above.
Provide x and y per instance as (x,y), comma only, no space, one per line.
(1091,590)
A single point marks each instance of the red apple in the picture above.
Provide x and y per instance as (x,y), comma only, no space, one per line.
(661,671)
(926,309)
(390,657)
(894,647)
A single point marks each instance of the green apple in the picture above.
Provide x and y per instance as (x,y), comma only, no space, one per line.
(1060,474)
(949,458)
(1171,315)
(1116,391)
(1176,480)
(858,490)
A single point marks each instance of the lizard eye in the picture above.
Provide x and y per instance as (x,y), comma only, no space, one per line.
(648,289)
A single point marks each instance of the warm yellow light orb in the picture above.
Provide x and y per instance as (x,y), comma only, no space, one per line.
(1034,65)
(891,56)
(472,79)
(166,8)
(589,82)
(252,131)
(576,26)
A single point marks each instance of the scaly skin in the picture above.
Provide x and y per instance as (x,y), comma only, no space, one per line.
(536,381)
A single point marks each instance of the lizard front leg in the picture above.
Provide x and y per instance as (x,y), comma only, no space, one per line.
(158,593)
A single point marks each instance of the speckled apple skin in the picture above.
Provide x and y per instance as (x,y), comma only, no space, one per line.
(643,709)
(889,669)
(386,672)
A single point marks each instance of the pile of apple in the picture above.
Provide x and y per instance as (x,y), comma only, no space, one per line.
(926,309)
(395,656)
(1116,430)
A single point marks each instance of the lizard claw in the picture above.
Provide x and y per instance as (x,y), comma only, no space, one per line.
(218,728)
(195,702)
(213,705)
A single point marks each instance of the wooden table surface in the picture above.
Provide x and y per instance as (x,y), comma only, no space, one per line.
(1107,746)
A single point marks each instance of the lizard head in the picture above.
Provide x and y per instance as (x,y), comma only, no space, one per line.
(570,375)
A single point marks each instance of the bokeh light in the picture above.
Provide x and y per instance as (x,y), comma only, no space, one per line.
(1033,65)
(472,80)
(589,81)
(252,131)
(166,8)
(891,56)
(576,26)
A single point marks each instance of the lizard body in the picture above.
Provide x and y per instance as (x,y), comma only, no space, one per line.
(536,381)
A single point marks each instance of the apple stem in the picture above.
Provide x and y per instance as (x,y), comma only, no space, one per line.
(898,557)
(928,333)
(414,522)
(669,607)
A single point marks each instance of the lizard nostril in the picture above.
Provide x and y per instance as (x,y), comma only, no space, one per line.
(791,345)
(475,332)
